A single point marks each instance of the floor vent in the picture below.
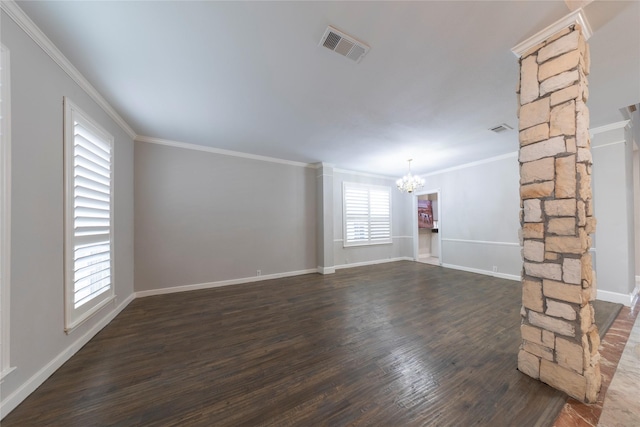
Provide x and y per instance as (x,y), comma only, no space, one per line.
(343,44)
(501,128)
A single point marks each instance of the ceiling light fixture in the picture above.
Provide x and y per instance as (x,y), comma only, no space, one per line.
(409,183)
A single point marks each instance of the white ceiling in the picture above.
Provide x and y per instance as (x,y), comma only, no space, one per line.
(250,76)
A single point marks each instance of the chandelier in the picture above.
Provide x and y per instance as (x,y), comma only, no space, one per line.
(409,183)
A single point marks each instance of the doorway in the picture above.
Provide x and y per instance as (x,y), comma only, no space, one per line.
(427,227)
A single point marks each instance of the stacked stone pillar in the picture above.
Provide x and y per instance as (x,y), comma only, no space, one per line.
(559,337)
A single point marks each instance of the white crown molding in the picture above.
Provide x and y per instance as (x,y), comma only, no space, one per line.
(472,164)
(28,26)
(611,126)
(320,165)
(187,146)
(369,175)
(576,17)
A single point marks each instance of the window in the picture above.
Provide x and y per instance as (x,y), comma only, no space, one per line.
(367,214)
(5,212)
(88,156)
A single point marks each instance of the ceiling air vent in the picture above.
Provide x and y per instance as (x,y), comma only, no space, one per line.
(343,44)
(501,128)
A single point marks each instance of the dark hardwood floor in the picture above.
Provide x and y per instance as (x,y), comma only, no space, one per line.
(398,344)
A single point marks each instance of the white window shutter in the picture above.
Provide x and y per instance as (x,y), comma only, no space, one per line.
(88,216)
(367,214)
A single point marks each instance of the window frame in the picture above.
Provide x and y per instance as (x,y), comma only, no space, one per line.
(76,316)
(5,213)
(345,218)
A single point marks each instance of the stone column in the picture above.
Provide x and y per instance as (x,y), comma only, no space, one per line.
(559,337)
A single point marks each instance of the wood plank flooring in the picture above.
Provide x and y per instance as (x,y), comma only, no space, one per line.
(398,344)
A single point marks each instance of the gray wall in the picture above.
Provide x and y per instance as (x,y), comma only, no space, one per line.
(203,217)
(401,224)
(479,221)
(613,205)
(38,85)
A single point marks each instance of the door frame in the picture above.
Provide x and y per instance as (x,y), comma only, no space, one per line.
(414,219)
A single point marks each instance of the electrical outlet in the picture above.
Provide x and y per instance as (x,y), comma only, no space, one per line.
(495,268)
(259,273)
(346,260)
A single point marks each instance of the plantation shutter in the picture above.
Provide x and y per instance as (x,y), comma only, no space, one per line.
(380,220)
(89,216)
(367,214)
(92,215)
(356,202)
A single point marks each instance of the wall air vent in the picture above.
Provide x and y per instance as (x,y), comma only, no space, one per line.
(501,128)
(343,44)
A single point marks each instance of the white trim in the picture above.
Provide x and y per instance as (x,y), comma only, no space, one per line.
(6,372)
(198,286)
(576,17)
(414,221)
(593,131)
(616,297)
(472,164)
(323,173)
(74,317)
(636,292)
(321,165)
(369,175)
(483,272)
(207,149)
(392,237)
(326,270)
(482,242)
(14,399)
(28,26)
(593,147)
(373,262)
(5,207)
(611,126)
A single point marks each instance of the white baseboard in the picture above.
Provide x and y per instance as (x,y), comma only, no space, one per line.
(514,277)
(326,270)
(616,297)
(185,288)
(14,399)
(376,261)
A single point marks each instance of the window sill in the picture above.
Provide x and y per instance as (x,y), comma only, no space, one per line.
(356,245)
